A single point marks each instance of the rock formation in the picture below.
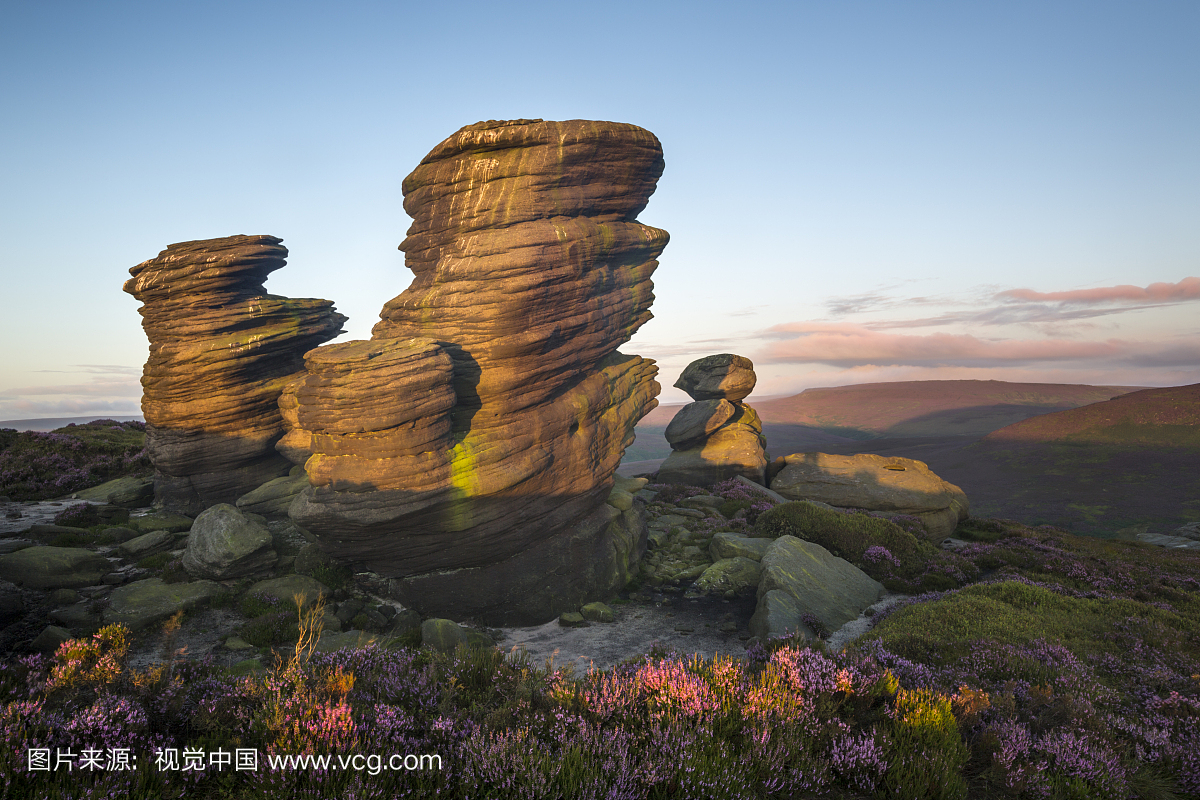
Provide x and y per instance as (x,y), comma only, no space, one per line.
(876,483)
(221,351)
(467,450)
(717,437)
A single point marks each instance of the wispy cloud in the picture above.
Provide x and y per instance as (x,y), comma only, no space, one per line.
(848,345)
(1187,289)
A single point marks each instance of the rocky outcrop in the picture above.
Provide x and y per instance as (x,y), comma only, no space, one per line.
(221,351)
(468,449)
(876,483)
(718,437)
(54,567)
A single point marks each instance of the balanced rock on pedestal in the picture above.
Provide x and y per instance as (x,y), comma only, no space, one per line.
(468,449)
(889,484)
(717,437)
(221,351)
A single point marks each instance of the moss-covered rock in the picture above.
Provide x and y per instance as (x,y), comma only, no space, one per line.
(739,575)
(54,567)
(143,603)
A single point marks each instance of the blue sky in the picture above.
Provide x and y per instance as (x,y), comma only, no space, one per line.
(855,191)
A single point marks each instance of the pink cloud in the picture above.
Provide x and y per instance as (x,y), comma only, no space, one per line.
(849,345)
(1186,289)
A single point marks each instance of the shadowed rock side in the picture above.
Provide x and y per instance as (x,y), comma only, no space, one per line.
(221,351)
(500,407)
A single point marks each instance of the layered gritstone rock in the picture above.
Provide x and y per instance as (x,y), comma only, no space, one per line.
(468,449)
(221,352)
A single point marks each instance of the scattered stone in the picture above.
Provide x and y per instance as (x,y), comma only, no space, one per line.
(236,643)
(1189,531)
(405,621)
(702,502)
(571,619)
(62,597)
(50,639)
(875,483)
(12,604)
(597,612)
(225,544)
(144,603)
(54,567)
(1169,542)
(77,618)
(311,558)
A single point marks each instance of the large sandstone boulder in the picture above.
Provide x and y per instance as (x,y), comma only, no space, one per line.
(54,567)
(224,543)
(832,589)
(875,483)
(221,351)
(718,437)
(467,450)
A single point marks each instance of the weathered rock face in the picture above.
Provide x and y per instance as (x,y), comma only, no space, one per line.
(221,351)
(717,437)
(800,577)
(467,450)
(875,483)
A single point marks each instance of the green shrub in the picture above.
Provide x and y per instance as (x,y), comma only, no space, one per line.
(276,628)
(156,561)
(335,576)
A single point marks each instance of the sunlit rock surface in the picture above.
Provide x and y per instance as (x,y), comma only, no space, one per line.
(468,449)
(718,437)
(221,351)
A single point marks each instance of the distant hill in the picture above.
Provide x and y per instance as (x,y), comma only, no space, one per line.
(1152,417)
(822,419)
(928,408)
(52,423)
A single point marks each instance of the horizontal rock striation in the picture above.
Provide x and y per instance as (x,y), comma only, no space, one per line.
(468,449)
(221,352)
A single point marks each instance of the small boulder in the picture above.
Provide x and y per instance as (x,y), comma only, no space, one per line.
(284,589)
(739,575)
(147,545)
(722,376)
(12,604)
(310,558)
(830,588)
(727,544)
(697,421)
(225,543)
(50,639)
(144,603)
(54,567)
(120,534)
(778,614)
(597,612)
(127,492)
(446,635)
(571,619)
(273,497)
(353,640)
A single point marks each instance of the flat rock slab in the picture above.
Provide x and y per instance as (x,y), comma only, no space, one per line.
(144,603)
(830,588)
(54,567)
(127,492)
(175,523)
(288,587)
(147,545)
(274,496)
